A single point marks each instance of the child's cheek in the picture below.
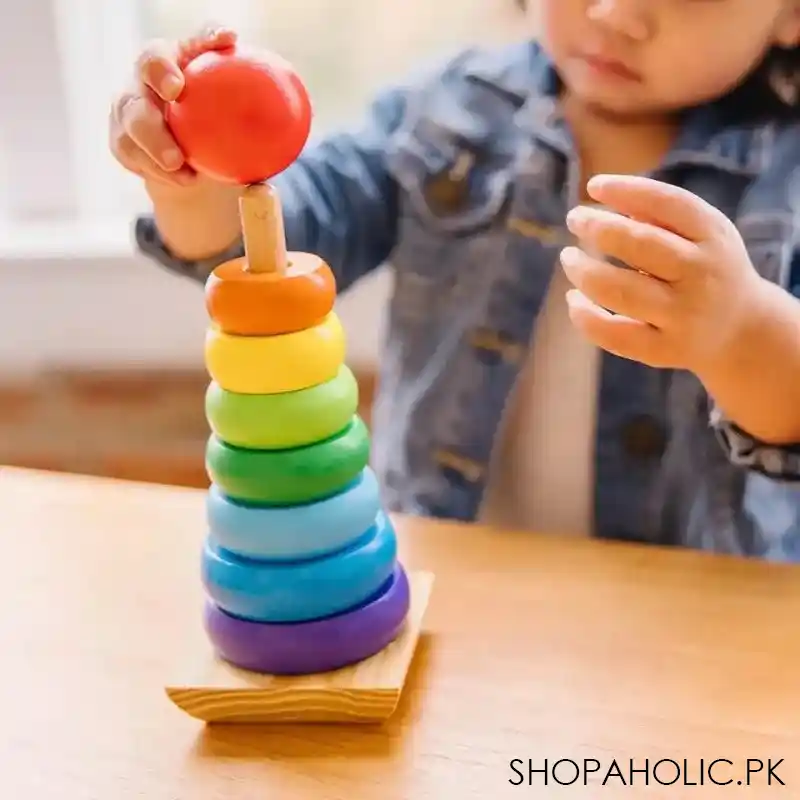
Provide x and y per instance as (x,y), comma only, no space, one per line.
(558,25)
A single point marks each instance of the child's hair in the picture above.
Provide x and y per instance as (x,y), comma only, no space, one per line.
(771,91)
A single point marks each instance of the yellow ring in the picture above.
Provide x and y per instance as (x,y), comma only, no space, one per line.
(275,364)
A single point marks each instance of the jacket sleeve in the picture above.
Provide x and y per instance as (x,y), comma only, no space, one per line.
(339,202)
(776,195)
(779,463)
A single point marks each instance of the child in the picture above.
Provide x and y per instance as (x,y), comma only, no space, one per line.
(529,379)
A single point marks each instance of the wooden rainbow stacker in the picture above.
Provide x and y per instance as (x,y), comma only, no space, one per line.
(310,615)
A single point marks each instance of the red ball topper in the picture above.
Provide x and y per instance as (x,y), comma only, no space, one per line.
(243,115)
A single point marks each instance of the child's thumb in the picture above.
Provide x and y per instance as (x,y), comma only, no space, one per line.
(210,37)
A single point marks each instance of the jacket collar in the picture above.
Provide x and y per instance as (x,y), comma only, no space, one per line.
(524,72)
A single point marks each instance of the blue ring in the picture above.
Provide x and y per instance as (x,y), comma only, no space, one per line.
(294,533)
(263,591)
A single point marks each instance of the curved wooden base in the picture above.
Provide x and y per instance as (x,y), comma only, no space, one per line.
(365,693)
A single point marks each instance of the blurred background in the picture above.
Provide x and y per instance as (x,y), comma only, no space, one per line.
(101,367)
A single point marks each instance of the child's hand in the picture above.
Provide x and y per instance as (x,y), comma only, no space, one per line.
(139,137)
(691,290)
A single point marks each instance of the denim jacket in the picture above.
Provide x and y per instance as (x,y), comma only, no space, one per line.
(461,181)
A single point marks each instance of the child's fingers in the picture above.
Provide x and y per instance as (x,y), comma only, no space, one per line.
(157,69)
(664,205)
(210,37)
(617,334)
(622,291)
(142,144)
(184,177)
(139,137)
(160,65)
(640,245)
(136,160)
(142,121)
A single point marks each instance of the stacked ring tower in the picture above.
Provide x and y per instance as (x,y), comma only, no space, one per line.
(300,562)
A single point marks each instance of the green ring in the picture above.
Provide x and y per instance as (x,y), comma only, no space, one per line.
(289,477)
(282,421)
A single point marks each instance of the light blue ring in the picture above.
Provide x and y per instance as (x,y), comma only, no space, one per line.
(294,533)
(298,592)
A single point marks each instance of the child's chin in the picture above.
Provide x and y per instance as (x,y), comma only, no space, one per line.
(613,103)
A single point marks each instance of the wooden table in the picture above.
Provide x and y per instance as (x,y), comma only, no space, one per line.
(536,647)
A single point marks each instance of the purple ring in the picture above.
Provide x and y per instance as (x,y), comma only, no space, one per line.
(319,645)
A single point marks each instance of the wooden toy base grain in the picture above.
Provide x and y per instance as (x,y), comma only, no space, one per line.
(367,692)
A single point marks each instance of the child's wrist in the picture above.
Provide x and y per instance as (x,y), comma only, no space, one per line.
(743,342)
(199,221)
(753,380)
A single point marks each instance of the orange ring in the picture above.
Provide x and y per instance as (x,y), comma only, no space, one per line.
(270,303)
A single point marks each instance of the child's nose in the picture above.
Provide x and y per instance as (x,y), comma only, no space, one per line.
(629,18)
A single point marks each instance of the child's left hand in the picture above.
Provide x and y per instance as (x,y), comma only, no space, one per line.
(691,290)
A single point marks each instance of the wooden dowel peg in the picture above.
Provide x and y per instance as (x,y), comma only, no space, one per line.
(262,228)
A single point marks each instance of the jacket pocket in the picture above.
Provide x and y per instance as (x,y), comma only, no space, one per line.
(452,200)
(769,242)
(450,186)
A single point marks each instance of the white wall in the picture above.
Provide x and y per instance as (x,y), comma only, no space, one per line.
(113,309)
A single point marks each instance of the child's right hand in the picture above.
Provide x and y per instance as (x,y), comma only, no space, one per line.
(138,136)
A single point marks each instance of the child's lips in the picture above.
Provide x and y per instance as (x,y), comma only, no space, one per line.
(610,67)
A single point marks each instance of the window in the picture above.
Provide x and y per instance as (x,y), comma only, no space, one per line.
(63,59)
(60,63)
(64,199)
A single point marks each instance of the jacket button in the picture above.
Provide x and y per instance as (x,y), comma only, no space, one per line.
(446,195)
(643,437)
(447,192)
